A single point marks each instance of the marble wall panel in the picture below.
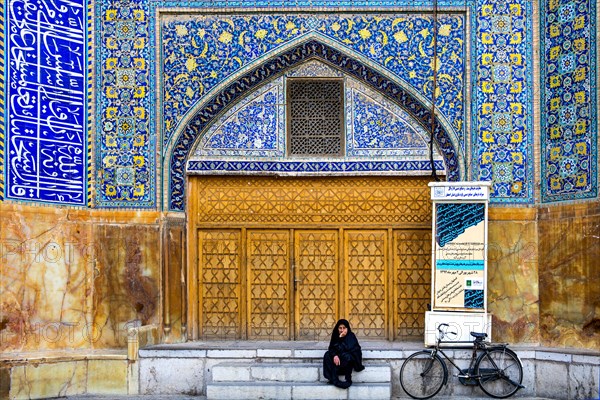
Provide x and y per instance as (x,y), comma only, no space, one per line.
(46,274)
(48,380)
(176,276)
(512,275)
(75,278)
(570,275)
(127,281)
(108,377)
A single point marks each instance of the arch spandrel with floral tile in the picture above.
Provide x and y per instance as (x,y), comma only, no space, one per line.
(274,67)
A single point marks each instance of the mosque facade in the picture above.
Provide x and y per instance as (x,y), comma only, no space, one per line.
(255,170)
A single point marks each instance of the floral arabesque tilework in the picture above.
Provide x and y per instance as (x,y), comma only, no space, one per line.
(203,51)
(293,57)
(125,147)
(502,150)
(569,126)
(255,126)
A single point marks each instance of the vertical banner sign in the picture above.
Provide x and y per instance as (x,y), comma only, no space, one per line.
(46,126)
(460,240)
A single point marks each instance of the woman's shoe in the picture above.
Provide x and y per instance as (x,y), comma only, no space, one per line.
(343,385)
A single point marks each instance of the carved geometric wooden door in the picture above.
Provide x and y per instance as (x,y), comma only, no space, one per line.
(283,258)
(316,279)
(268,258)
(366,266)
(219,284)
(412,281)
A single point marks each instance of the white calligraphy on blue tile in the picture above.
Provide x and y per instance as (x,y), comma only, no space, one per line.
(46,108)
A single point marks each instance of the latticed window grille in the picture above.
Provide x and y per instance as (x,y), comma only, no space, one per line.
(315,117)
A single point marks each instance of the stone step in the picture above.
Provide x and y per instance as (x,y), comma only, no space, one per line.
(296,390)
(292,372)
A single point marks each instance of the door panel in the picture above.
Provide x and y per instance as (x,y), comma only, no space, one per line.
(219,283)
(412,266)
(269,284)
(316,259)
(365,259)
(359,248)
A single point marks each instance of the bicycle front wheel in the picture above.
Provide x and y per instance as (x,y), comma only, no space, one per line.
(422,375)
(500,372)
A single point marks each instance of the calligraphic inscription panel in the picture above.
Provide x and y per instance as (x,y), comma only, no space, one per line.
(316,269)
(46,116)
(412,266)
(459,280)
(365,258)
(268,284)
(219,284)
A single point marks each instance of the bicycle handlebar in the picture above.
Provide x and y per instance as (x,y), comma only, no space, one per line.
(442,333)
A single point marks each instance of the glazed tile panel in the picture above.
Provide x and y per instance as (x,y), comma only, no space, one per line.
(569,90)
(48,162)
(380,128)
(202,52)
(375,127)
(125,147)
(291,58)
(252,128)
(46,101)
(503,134)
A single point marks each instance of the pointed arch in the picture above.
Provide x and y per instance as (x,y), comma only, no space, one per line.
(273,67)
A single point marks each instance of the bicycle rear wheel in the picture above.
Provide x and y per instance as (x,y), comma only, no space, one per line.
(423,375)
(500,372)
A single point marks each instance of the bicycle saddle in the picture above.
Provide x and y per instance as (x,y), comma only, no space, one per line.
(479,336)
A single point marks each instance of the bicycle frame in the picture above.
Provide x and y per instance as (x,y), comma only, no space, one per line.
(476,347)
(494,367)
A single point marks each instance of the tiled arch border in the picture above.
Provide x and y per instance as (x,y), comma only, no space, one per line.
(273,67)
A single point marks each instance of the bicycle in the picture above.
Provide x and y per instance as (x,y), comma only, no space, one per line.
(494,367)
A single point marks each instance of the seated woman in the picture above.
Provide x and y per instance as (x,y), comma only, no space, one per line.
(343,356)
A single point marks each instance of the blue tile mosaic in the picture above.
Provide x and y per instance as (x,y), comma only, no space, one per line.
(375,127)
(203,51)
(125,148)
(502,111)
(234,49)
(569,129)
(255,127)
(307,167)
(51,164)
(46,102)
(294,57)
(2,103)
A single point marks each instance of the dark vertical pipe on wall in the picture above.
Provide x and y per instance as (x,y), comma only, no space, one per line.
(434,88)
(183,266)
(166,293)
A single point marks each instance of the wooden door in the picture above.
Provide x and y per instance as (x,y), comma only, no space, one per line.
(316,278)
(365,289)
(284,258)
(219,284)
(269,295)
(412,282)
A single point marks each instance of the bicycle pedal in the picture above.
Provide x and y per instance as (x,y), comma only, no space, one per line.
(463,374)
(465,378)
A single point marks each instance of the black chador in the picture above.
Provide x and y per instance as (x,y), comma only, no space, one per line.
(343,356)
